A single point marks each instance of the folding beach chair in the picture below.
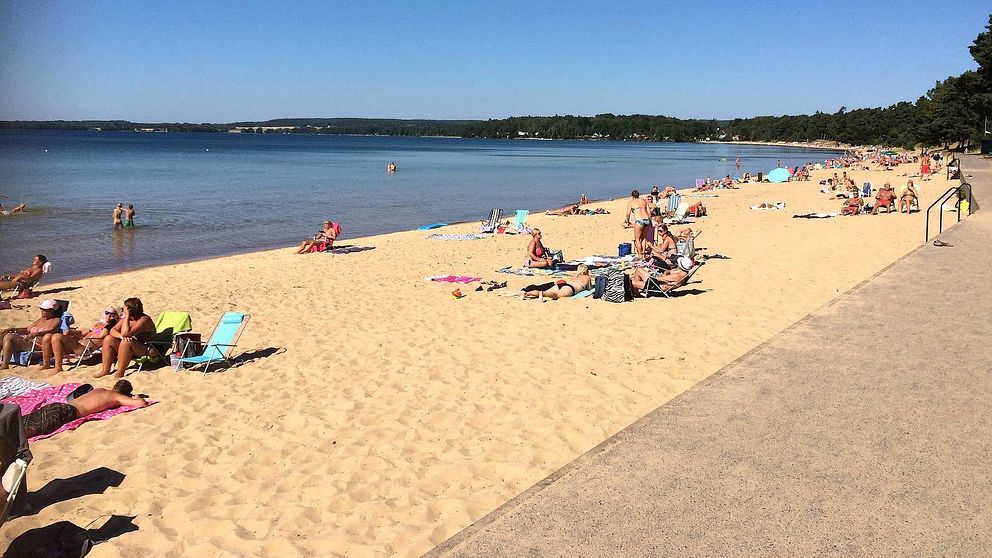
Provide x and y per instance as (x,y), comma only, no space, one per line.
(520,221)
(491,224)
(15,454)
(654,287)
(16,291)
(673,203)
(167,325)
(678,216)
(222,341)
(866,190)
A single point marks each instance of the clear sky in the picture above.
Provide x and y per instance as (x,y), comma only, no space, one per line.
(219,61)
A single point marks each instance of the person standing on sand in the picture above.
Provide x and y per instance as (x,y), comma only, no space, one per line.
(53,416)
(128,221)
(117,216)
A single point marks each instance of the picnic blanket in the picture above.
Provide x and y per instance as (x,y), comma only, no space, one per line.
(530,271)
(469,236)
(12,386)
(56,394)
(348,249)
(815,215)
(453,278)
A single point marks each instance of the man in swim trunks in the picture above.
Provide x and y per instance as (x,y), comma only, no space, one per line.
(560,288)
(25,277)
(118,211)
(128,221)
(51,417)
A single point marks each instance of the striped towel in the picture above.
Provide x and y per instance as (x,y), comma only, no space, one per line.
(470,236)
(12,386)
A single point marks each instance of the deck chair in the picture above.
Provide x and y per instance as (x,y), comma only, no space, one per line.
(492,223)
(678,216)
(654,287)
(673,203)
(67,322)
(520,221)
(16,291)
(167,325)
(866,190)
(222,341)
(15,454)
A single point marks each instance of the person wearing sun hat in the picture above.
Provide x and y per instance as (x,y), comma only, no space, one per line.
(20,339)
(666,278)
(74,341)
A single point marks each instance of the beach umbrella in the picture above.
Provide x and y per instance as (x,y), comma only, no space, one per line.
(778,175)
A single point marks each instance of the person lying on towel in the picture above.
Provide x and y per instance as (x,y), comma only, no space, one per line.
(53,416)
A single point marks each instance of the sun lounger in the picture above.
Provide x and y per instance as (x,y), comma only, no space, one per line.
(16,291)
(673,203)
(520,221)
(655,287)
(222,342)
(167,325)
(492,223)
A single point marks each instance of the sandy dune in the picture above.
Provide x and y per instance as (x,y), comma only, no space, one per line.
(380,415)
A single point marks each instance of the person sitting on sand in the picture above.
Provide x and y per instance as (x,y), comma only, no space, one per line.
(537,254)
(561,288)
(664,247)
(322,240)
(852,206)
(886,198)
(26,277)
(745,178)
(566,210)
(666,278)
(59,344)
(583,200)
(53,416)
(20,339)
(126,340)
(727,182)
(13,210)
(908,198)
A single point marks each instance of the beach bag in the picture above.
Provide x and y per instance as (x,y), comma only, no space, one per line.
(600,286)
(186,344)
(557,257)
(618,287)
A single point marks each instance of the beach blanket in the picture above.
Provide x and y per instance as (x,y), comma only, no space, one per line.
(432,226)
(602,261)
(583,294)
(56,394)
(348,249)
(816,215)
(12,386)
(702,195)
(453,278)
(530,271)
(469,236)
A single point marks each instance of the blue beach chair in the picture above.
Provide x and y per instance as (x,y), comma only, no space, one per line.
(673,203)
(221,343)
(520,221)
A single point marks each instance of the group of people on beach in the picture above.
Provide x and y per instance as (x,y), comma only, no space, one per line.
(123,217)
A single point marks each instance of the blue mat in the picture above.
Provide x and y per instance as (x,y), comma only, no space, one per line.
(432,226)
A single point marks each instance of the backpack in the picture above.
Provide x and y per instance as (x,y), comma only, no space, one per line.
(618,287)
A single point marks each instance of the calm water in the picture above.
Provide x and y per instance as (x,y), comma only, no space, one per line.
(203,195)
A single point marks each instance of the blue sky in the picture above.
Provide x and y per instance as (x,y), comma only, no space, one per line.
(214,61)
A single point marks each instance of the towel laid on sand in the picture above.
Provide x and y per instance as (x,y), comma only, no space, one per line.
(432,226)
(12,386)
(453,278)
(530,271)
(348,249)
(469,236)
(56,394)
(815,215)
(767,206)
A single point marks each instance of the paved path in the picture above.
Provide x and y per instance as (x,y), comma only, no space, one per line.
(863,430)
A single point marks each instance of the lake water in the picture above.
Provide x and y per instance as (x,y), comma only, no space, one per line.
(204,195)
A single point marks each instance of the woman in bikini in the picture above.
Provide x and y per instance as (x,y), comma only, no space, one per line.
(74,341)
(127,339)
(909,195)
(19,339)
(640,215)
(537,254)
(323,240)
(561,288)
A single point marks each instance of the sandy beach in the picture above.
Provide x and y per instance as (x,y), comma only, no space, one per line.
(376,415)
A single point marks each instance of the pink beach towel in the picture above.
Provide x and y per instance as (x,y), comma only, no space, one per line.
(33,400)
(454,278)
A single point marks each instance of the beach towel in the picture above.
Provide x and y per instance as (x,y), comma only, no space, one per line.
(469,236)
(56,394)
(769,206)
(348,249)
(583,294)
(530,271)
(12,386)
(816,215)
(432,226)
(699,196)
(453,278)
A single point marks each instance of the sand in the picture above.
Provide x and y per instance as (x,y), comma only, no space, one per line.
(376,415)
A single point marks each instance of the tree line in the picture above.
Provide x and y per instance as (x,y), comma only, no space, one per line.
(952,113)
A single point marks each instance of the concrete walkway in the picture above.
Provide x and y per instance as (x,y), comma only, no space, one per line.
(863,430)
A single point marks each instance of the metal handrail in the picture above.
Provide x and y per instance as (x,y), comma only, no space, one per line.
(940,201)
